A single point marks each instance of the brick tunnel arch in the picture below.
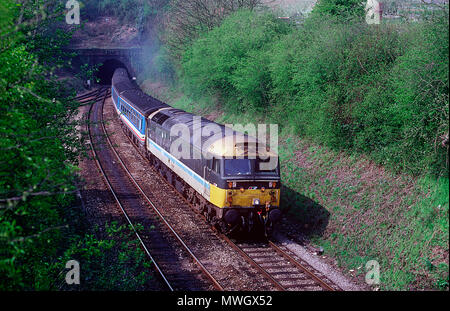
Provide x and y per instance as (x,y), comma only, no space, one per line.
(106,70)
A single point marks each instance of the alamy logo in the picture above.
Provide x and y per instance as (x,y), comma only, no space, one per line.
(73,276)
(373,12)
(373,272)
(73,15)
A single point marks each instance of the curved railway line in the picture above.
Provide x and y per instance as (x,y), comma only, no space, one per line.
(277,265)
(156,241)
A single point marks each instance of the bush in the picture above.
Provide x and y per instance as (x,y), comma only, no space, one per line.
(375,89)
(231,58)
(344,9)
(110,259)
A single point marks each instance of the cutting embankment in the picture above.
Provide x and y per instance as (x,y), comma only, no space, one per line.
(363,114)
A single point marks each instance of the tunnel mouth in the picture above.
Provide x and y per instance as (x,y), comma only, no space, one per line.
(106,71)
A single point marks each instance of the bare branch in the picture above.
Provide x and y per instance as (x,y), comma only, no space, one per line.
(187,18)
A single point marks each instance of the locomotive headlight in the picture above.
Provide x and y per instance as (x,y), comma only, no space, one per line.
(230,197)
(256,202)
(232,184)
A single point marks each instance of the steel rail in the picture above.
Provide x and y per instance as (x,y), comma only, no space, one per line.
(108,183)
(95,97)
(173,231)
(89,94)
(322,283)
(253,263)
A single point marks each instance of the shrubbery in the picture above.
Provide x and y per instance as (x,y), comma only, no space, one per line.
(376,89)
(41,224)
(231,58)
(341,8)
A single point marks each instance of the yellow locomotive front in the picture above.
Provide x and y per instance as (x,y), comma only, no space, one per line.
(245,184)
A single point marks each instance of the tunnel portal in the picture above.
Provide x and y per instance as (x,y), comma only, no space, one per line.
(110,59)
(106,70)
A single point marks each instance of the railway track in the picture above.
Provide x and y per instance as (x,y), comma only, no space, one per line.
(92,96)
(278,265)
(158,239)
(281,267)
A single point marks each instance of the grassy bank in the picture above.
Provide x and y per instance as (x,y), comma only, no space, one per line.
(380,91)
(363,116)
(354,208)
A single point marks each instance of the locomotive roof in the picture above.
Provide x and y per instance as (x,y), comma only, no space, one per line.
(228,147)
(225,144)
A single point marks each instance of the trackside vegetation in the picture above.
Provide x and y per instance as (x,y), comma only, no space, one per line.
(42,225)
(363,113)
(379,90)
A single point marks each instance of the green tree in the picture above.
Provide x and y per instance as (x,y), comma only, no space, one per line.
(231,58)
(344,9)
(38,149)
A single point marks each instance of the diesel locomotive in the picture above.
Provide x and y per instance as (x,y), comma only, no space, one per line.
(218,174)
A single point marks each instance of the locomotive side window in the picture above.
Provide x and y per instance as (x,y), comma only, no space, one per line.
(216,165)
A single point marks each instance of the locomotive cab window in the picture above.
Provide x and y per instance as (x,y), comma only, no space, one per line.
(237,167)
